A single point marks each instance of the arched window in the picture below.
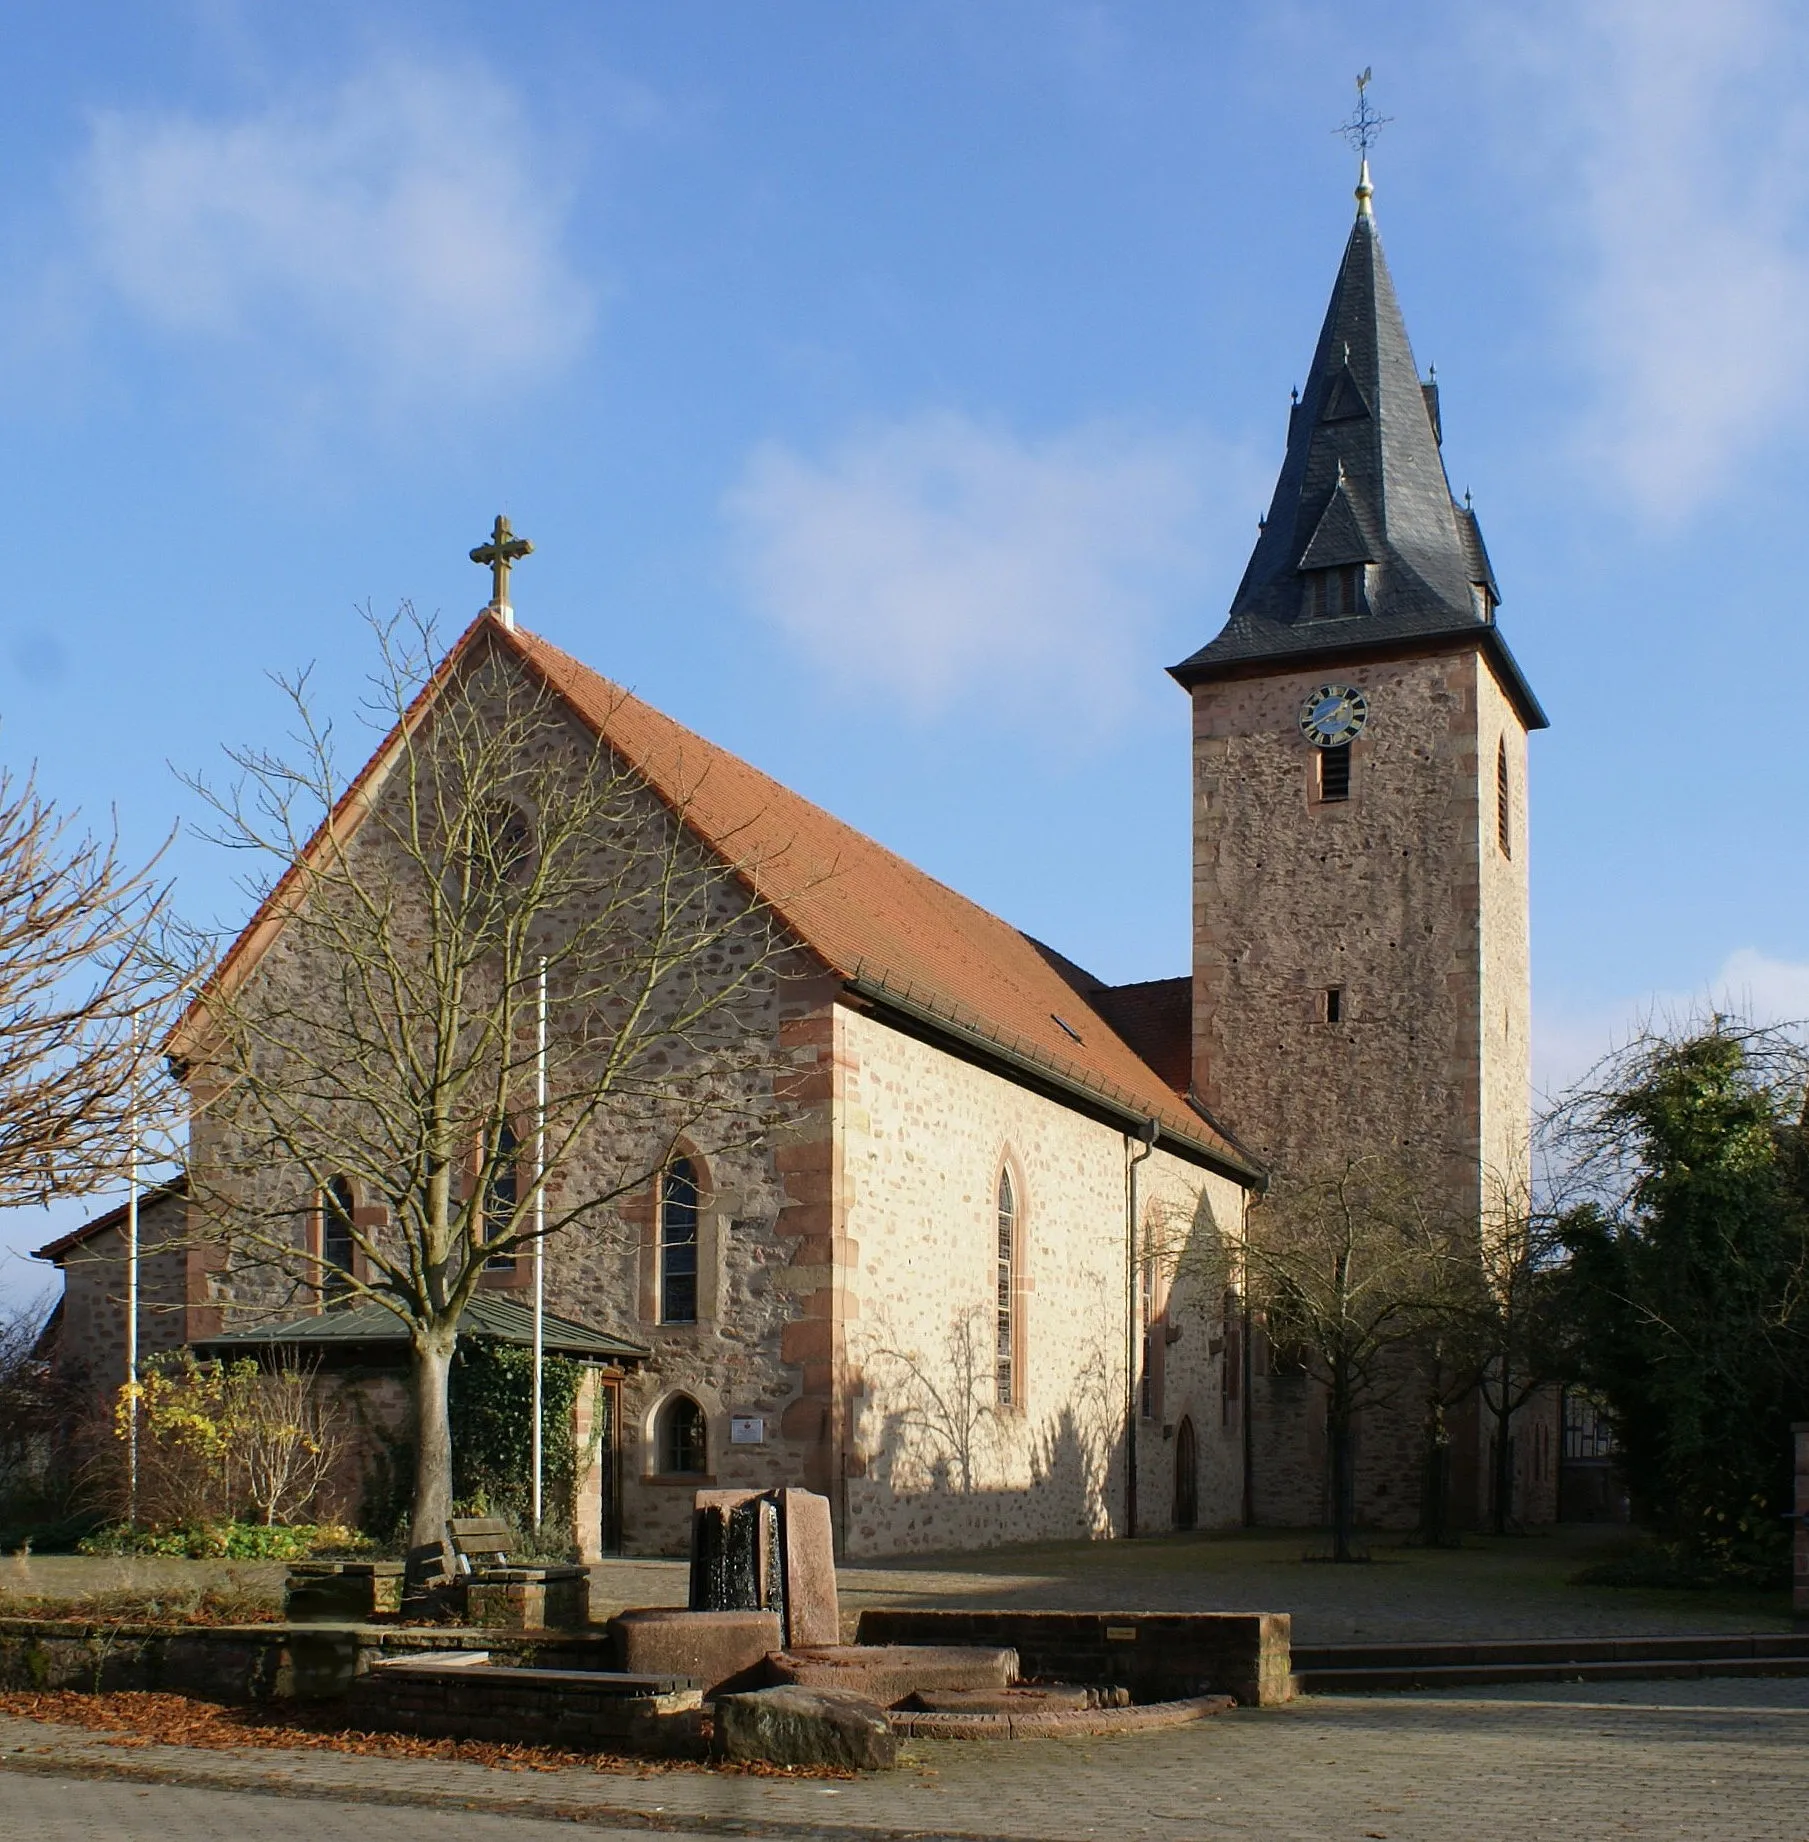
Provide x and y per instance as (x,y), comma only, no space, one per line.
(502,1192)
(1005,1364)
(1504,812)
(682,1440)
(336,1244)
(678,1243)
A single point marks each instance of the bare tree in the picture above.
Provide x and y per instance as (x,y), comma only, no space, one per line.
(366,1059)
(82,1001)
(1512,1325)
(289,1440)
(1349,1268)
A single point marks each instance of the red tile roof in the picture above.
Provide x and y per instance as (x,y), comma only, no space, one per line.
(878,921)
(870,915)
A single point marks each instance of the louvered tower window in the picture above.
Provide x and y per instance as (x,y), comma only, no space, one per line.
(1335,594)
(1334,773)
(1504,811)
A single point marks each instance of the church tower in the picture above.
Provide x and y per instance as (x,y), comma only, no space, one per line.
(1360,973)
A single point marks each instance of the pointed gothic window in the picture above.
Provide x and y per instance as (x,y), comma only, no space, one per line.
(1004,1348)
(1504,811)
(336,1243)
(678,1243)
(683,1441)
(502,1194)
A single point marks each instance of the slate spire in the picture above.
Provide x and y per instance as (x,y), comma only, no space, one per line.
(1364,545)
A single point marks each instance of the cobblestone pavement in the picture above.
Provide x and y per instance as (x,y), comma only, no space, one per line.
(1518,1587)
(1714,1761)
(1490,1588)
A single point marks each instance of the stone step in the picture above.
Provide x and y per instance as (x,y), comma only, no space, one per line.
(1548,1650)
(1655,1668)
(887,1674)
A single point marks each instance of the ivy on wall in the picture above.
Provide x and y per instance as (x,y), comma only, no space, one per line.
(492,1408)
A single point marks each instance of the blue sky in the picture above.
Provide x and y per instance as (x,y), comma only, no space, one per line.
(891,393)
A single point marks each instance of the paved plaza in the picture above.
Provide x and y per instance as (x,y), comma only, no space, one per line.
(1713,1761)
(1490,1588)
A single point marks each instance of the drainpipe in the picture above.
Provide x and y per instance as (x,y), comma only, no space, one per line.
(1249,1366)
(1148,1137)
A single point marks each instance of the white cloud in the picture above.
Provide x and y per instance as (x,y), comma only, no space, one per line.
(940,558)
(1678,138)
(401,220)
(1569,1040)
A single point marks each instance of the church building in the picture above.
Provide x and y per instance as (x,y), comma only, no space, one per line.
(987,1285)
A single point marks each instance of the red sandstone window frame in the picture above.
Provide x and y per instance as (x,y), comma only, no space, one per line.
(329,1289)
(1009,1288)
(647,1208)
(663,1446)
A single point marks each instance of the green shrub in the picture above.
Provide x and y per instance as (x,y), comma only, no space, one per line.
(230,1541)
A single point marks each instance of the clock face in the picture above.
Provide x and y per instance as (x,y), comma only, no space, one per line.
(1333,715)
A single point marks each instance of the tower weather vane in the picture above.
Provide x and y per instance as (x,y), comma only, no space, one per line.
(499,555)
(1365,124)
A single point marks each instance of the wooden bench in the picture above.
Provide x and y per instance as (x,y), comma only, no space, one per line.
(497,1590)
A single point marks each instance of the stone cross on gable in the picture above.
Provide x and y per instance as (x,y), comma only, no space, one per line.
(499,555)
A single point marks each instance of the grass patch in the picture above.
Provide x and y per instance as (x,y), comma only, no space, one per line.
(218,1603)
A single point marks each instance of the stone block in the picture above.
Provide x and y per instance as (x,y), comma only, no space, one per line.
(812,1611)
(1157,1656)
(1021,1699)
(717,1650)
(735,1556)
(801,1726)
(528,1598)
(342,1592)
(887,1674)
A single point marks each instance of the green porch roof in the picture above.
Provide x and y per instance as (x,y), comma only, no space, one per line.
(489,1315)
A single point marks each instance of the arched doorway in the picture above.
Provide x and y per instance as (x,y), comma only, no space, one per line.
(1187,1476)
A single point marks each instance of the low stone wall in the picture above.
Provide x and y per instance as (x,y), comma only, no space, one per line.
(543,1707)
(1158,1656)
(247,1663)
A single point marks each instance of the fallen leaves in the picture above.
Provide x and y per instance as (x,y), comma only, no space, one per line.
(137,1718)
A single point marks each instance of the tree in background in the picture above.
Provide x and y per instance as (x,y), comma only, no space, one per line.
(1350,1269)
(381,1037)
(1686,1284)
(83,1002)
(1509,1329)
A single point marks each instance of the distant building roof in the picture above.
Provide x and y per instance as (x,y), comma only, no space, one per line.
(114,1218)
(489,1315)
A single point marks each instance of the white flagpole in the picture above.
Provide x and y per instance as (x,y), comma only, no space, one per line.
(539,1229)
(132,1288)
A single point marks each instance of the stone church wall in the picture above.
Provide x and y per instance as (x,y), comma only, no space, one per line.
(935,1462)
